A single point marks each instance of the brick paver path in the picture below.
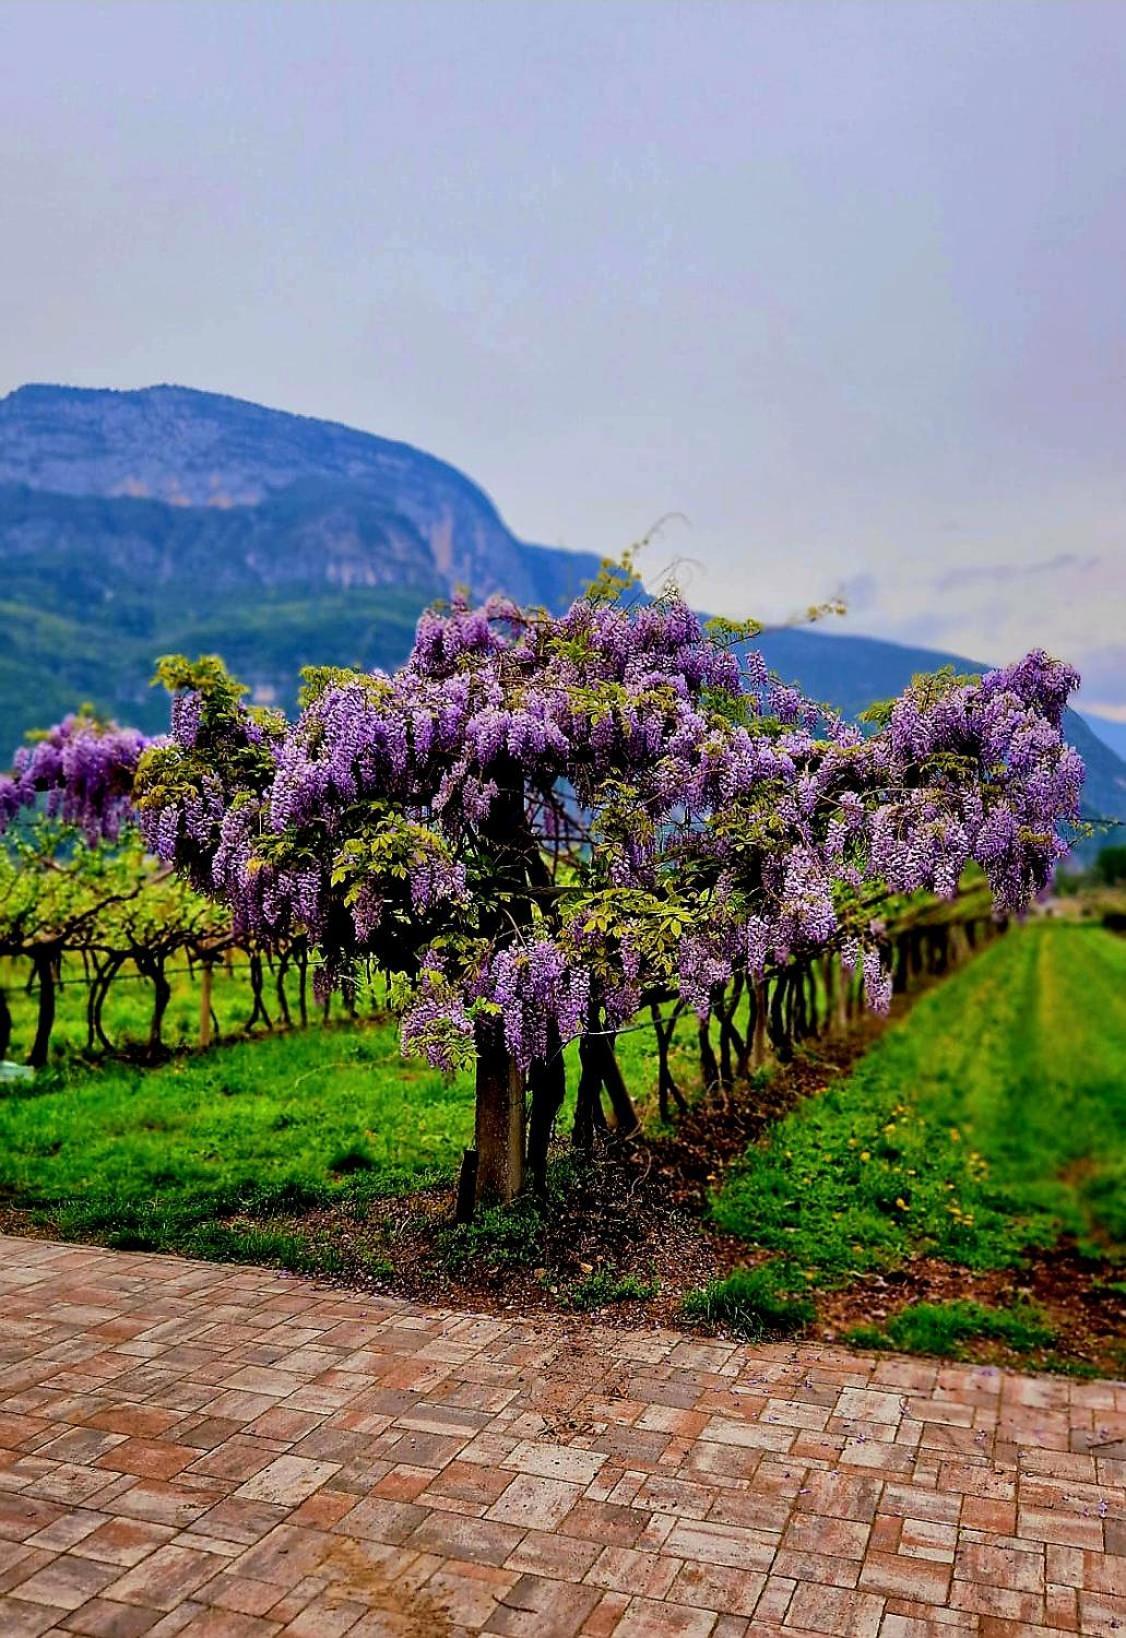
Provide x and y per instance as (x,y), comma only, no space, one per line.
(235,1453)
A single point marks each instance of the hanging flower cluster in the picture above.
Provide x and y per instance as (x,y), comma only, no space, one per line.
(84,769)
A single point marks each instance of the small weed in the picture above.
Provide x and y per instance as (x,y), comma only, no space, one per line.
(945,1327)
(498,1237)
(604,1287)
(1060,1365)
(753,1302)
(868,1336)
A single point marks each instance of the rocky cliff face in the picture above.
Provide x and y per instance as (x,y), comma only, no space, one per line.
(301,498)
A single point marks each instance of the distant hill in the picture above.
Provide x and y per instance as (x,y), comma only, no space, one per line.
(137,523)
(1111,733)
(134,523)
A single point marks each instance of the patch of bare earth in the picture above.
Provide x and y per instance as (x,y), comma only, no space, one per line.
(1074,1292)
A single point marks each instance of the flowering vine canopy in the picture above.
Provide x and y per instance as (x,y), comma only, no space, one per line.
(545,820)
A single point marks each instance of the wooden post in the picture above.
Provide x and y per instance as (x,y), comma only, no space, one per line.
(205,1005)
(840,995)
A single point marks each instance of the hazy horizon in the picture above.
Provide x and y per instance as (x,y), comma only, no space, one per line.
(840,282)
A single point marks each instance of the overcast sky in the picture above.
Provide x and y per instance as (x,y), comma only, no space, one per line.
(844,284)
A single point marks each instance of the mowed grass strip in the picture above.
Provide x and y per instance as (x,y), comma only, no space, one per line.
(302,1110)
(990,1121)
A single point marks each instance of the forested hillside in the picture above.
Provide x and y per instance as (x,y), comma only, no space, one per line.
(137,523)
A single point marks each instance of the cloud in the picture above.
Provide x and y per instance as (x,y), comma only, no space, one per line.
(1072,604)
(976,574)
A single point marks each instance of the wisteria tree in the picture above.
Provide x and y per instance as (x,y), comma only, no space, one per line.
(540,823)
(78,886)
(81,772)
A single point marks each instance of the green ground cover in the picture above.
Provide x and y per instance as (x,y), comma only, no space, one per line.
(946,1327)
(284,1120)
(990,1120)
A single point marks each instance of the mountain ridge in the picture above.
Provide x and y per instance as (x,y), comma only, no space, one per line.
(138,521)
(186,448)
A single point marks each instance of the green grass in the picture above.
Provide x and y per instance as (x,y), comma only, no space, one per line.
(281,1122)
(990,1121)
(944,1328)
(753,1302)
(161,1157)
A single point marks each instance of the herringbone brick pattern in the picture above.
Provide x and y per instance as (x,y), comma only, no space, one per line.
(233,1453)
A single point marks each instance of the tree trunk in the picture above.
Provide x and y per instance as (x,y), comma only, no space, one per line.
(709,1066)
(853,986)
(466,1188)
(588,1100)
(746,1047)
(844,999)
(901,965)
(259,1010)
(730,1040)
(44,966)
(499,1118)
(99,995)
(758,1039)
(829,980)
(626,1122)
(162,994)
(813,1019)
(781,1038)
(303,985)
(666,1081)
(799,1023)
(5,1024)
(279,989)
(91,1007)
